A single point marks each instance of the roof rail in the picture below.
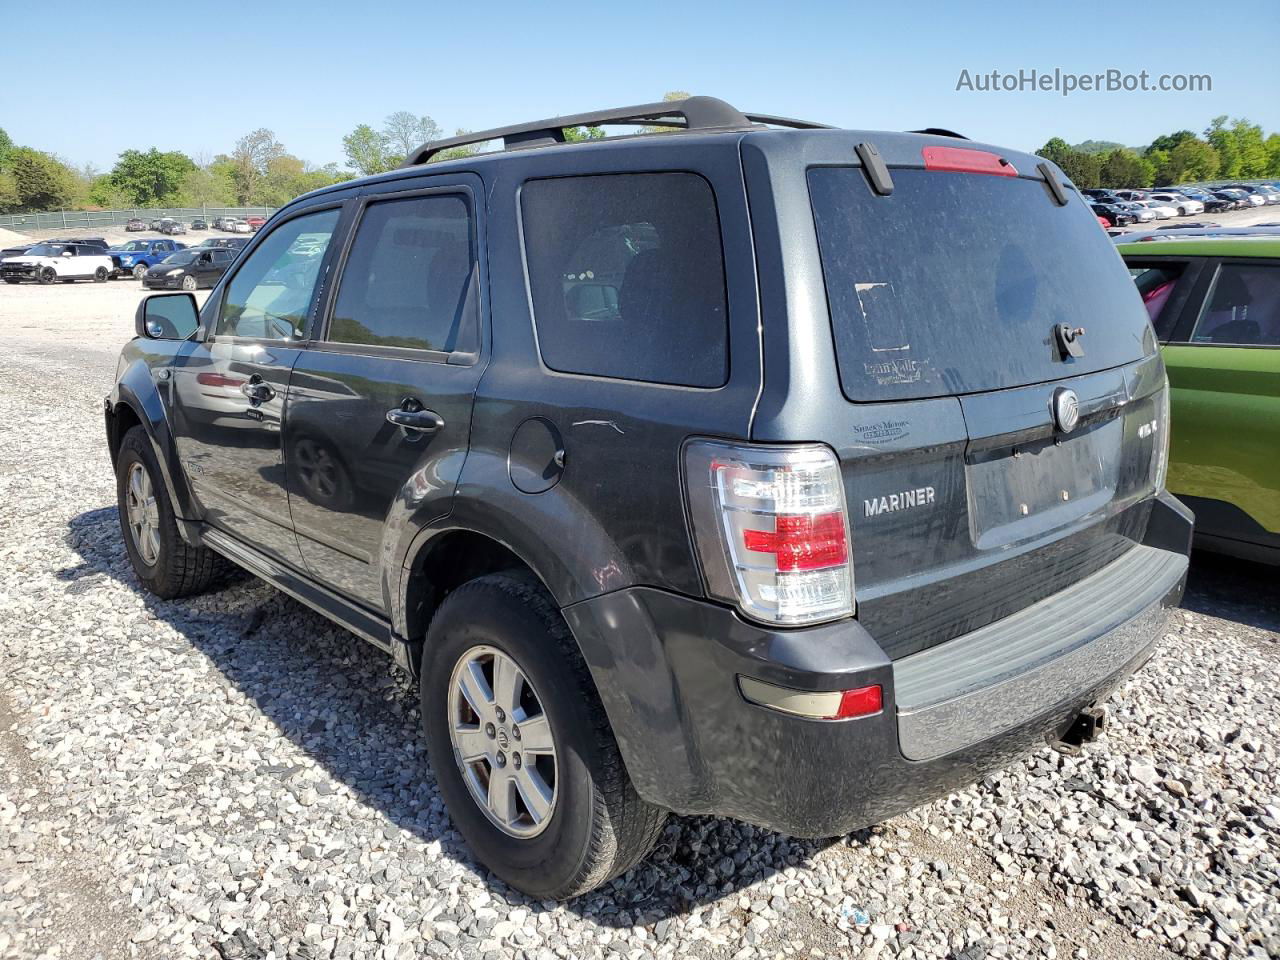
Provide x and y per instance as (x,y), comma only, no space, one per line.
(692,113)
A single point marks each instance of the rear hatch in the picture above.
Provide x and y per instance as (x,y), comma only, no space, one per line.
(968,498)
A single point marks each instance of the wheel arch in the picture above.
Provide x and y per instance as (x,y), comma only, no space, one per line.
(137,403)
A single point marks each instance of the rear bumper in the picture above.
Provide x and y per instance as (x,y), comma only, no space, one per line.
(668,666)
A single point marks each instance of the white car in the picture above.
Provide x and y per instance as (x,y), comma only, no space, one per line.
(235,225)
(1162,210)
(1184,205)
(47,262)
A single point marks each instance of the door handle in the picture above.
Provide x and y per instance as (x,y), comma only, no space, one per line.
(413,416)
(256,390)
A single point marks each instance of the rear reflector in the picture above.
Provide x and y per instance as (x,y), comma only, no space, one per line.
(825,705)
(964,160)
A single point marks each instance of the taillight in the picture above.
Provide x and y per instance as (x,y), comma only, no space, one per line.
(771,529)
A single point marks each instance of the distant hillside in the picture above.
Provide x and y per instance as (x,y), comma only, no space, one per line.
(1097,146)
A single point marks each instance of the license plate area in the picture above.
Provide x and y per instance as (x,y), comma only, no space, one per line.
(1023,490)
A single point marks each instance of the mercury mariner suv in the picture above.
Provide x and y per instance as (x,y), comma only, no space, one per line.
(751,467)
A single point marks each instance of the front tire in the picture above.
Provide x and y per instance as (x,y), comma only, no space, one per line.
(46,275)
(139,271)
(560,816)
(166,564)
(189,283)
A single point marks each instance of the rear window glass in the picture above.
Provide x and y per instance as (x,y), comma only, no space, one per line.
(627,277)
(954,283)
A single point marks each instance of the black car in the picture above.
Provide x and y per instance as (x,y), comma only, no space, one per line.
(199,223)
(98,242)
(18,250)
(678,468)
(1118,216)
(189,269)
(230,243)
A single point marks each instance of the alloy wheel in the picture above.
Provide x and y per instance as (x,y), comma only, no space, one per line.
(502,742)
(144,514)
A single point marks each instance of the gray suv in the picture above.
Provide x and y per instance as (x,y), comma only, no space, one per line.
(751,468)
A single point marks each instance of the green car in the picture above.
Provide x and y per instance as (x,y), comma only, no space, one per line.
(1215,306)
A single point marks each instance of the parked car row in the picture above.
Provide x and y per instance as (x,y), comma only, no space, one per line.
(173,226)
(158,262)
(1124,207)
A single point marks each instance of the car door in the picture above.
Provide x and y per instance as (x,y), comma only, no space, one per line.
(1223,360)
(205,270)
(230,387)
(380,402)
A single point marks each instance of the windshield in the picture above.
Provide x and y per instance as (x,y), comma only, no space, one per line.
(137,245)
(46,250)
(954,283)
(186,256)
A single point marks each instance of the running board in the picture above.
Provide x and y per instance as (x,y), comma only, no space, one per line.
(365,625)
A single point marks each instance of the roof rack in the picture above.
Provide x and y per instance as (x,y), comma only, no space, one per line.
(692,113)
(940,132)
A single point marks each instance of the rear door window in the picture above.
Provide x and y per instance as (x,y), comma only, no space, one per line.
(954,282)
(627,277)
(409,276)
(1243,308)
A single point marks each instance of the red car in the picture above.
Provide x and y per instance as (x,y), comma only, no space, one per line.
(255,223)
(1103,221)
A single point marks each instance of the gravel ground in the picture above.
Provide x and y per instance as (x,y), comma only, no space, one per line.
(232,776)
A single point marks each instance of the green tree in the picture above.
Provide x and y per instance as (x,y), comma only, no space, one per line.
(1190,160)
(1224,142)
(40,180)
(1272,143)
(8,193)
(104,192)
(576,134)
(1124,168)
(1082,169)
(1168,141)
(151,178)
(1251,147)
(368,151)
(251,159)
(210,185)
(6,145)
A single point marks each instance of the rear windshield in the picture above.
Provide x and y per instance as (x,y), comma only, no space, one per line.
(953,284)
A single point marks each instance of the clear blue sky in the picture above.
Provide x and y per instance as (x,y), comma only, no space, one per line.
(311,71)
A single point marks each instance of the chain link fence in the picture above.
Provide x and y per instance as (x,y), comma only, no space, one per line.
(90,219)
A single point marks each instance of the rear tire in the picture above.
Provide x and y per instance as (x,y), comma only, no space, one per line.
(166,564)
(594,825)
(101,274)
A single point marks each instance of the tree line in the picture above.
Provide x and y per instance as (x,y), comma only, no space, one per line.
(259,171)
(1227,150)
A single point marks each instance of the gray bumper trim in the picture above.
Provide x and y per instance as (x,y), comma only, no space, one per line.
(991,680)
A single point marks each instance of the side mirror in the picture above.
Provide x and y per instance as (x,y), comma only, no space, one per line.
(167,316)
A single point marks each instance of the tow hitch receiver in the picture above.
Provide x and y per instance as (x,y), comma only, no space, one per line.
(1085,728)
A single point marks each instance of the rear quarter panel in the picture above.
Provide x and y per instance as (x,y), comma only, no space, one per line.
(1225,440)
